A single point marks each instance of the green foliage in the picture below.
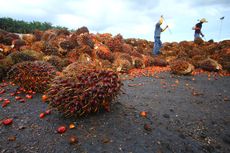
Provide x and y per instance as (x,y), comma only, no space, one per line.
(19,26)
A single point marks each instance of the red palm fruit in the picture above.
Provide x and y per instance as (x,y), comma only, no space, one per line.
(143,114)
(29,96)
(21,89)
(73,140)
(61,129)
(12,94)
(18,97)
(7,121)
(47,112)
(22,100)
(44,98)
(2,91)
(42,115)
(5,103)
(29,91)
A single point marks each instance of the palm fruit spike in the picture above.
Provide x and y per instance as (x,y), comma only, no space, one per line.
(32,75)
(88,92)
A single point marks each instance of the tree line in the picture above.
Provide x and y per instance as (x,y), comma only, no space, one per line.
(19,26)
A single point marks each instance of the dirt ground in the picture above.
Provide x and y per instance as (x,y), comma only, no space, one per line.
(185,114)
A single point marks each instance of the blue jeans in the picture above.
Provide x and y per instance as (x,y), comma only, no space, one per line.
(196,35)
(157,46)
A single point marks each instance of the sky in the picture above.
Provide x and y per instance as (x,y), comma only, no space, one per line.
(130,18)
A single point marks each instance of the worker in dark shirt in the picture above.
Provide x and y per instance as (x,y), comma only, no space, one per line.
(157,34)
(198,28)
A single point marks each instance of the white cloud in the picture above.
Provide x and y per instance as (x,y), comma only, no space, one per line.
(131,18)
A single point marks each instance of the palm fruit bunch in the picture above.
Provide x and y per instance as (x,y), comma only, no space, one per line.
(137,62)
(18,43)
(181,53)
(56,61)
(103,38)
(2,73)
(38,46)
(82,30)
(181,67)
(196,51)
(169,59)
(135,53)
(105,64)
(89,91)
(49,49)
(131,41)
(67,45)
(225,58)
(5,65)
(188,45)
(2,56)
(38,34)
(77,37)
(8,38)
(62,32)
(140,49)
(73,55)
(170,52)
(48,35)
(103,52)
(13,36)
(198,41)
(85,49)
(124,56)
(7,41)
(5,50)
(34,54)
(210,65)
(122,65)
(85,39)
(127,48)
(18,57)
(115,43)
(197,59)
(6,62)
(29,38)
(32,75)
(211,48)
(3,33)
(224,44)
(78,67)
(65,62)
(148,60)
(159,61)
(84,58)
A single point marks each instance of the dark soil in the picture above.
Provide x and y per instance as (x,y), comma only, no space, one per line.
(185,114)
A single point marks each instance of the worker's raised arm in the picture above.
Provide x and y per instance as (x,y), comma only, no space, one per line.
(164,28)
(201,34)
